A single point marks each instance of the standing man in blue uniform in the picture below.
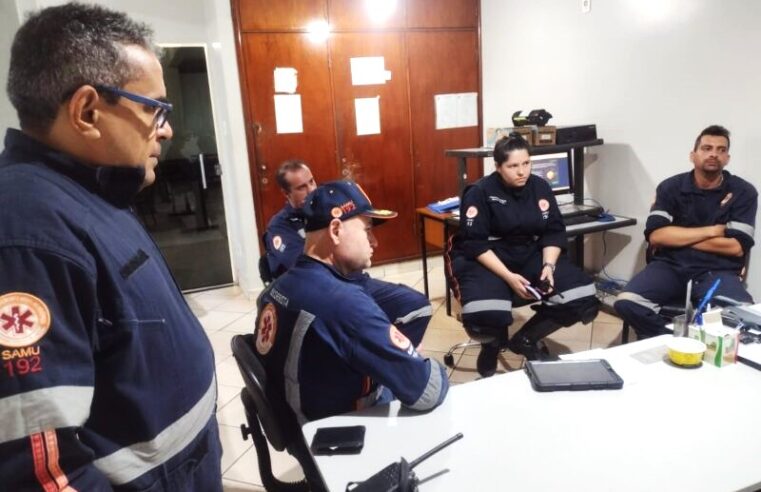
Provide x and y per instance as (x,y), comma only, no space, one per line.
(701,227)
(107,377)
(407,308)
(325,344)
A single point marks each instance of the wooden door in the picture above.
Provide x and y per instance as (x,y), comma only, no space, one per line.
(380,163)
(440,63)
(316,145)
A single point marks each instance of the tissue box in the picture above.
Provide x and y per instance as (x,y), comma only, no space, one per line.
(721,343)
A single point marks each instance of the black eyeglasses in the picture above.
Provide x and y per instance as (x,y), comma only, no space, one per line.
(163,108)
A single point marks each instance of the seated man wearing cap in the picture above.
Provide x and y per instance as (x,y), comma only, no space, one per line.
(325,344)
(407,308)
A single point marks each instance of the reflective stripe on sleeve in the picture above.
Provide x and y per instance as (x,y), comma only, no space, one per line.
(36,411)
(638,299)
(291,374)
(432,391)
(423,312)
(746,229)
(128,463)
(661,213)
(487,305)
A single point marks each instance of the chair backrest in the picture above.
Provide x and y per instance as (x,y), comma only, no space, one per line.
(279,431)
(264,269)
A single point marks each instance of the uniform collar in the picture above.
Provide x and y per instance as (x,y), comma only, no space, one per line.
(118,185)
(308,260)
(688,183)
(293,214)
(515,192)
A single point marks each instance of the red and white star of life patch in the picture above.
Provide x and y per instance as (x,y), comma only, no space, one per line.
(24,319)
(471,212)
(267,329)
(398,339)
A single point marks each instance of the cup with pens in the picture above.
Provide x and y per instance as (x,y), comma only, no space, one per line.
(683,350)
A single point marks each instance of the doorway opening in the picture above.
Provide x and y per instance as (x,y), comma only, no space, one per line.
(184,210)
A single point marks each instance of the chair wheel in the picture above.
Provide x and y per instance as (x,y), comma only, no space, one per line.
(449,360)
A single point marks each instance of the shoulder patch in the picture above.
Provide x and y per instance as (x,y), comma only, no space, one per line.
(277,241)
(24,319)
(544,205)
(267,329)
(398,339)
(471,212)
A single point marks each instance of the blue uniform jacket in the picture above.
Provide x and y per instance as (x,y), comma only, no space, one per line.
(107,377)
(329,349)
(679,202)
(284,239)
(513,222)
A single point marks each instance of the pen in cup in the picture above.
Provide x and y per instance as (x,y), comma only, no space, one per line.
(698,318)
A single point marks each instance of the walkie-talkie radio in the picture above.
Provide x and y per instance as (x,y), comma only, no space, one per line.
(398,477)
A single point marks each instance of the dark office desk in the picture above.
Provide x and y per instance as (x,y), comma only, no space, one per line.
(436,229)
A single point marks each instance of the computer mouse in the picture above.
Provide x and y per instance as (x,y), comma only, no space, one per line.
(605,218)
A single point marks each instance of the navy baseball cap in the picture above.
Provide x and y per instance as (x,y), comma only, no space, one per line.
(339,200)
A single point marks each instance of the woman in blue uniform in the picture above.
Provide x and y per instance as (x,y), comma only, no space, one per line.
(511,236)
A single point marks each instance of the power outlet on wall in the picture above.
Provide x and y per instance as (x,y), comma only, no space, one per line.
(586,6)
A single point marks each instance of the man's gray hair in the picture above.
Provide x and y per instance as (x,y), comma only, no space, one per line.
(60,49)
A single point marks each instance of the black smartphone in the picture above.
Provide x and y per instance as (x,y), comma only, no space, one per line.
(339,440)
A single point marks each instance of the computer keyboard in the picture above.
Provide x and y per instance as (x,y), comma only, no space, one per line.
(579,219)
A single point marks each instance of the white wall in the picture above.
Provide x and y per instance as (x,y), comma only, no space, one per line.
(195,22)
(650,73)
(9,23)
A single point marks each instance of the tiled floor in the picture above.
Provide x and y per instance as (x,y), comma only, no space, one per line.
(227,312)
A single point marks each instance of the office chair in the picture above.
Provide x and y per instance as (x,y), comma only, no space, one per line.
(281,430)
(669,312)
(477,337)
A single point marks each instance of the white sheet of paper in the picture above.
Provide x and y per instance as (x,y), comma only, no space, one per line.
(446,111)
(368,70)
(367,111)
(467,109)
(288,113)
(286,80)
(456,110)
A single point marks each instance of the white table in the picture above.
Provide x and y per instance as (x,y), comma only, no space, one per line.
(668,429)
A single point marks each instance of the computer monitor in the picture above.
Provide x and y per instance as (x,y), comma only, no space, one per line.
(555,169)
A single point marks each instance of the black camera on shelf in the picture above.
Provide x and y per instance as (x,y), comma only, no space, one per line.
(536,117)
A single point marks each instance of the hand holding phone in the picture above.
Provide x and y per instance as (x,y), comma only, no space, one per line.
(533,291)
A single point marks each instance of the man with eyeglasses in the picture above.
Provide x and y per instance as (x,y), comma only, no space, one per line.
(107,378)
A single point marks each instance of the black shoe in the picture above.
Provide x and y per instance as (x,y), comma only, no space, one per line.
(530,350)
(487,360)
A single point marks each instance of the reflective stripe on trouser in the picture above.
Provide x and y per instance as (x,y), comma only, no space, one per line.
(130,462)
(487,299)
(660,284)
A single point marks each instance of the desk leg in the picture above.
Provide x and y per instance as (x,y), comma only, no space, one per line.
(579,243)
(424,254)
(462,168)
(447,293)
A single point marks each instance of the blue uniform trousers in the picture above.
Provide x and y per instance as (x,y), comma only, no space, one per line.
(409,310)
(661,283)
(487,301)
